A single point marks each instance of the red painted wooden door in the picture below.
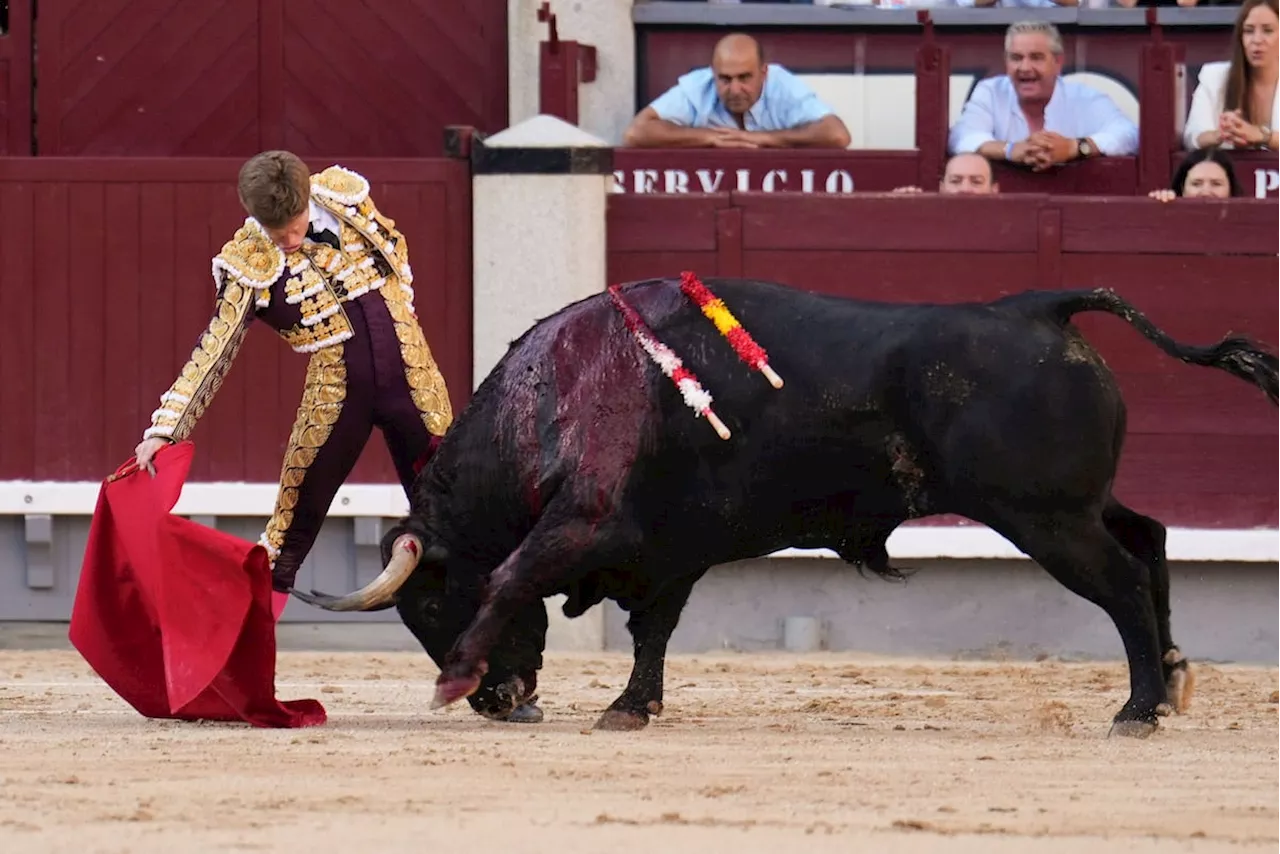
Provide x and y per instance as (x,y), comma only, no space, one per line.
(333,78)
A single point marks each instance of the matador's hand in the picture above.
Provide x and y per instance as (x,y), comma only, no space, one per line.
(146,452)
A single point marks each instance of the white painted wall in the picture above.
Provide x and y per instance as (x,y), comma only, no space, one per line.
(605,106)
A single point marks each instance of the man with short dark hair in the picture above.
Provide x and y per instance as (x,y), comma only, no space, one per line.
(740,101)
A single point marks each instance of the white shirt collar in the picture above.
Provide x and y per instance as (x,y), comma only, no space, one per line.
(322,220)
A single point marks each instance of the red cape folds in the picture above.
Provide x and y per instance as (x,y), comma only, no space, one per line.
(179,619)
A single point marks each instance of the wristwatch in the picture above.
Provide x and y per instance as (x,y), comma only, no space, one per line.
(1084,147)
(1266,136)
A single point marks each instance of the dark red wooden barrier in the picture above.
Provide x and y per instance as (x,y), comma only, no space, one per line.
(326,77)
(15,82)
(1202,445)
(105,267)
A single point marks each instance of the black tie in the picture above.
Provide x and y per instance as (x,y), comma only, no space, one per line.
(322,236)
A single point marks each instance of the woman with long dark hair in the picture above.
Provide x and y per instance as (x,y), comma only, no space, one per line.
(1236,103)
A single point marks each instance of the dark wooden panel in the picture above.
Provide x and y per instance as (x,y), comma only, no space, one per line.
(901,223)
(1187,227)
(86,380)
(146,77)
(55,404)
(18,345)
(1188,399)
(663,223)
(15,81)
(435,67)
(896,276)
(165,77)
(121,318)
(1195,480)
(160,347)
(634,266)
(1105,176)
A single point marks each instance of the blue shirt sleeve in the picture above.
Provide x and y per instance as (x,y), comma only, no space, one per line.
(676,105)
(801,105)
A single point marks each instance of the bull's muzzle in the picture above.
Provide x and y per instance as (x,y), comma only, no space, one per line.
(405,553)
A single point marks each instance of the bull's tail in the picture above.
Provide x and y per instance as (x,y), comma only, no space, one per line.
(1234,354)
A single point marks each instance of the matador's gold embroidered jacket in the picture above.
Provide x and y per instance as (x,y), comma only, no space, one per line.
(301,295)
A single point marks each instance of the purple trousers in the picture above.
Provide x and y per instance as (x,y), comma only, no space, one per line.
(351,388)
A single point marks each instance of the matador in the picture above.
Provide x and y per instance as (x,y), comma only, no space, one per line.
(320,264)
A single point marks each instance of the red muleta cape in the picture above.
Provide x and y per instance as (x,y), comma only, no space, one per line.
(179,619)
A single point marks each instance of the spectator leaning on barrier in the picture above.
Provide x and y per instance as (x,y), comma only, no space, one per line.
(966,174)
(1033,117)
(1236,103)
(738,102)
(1203,174)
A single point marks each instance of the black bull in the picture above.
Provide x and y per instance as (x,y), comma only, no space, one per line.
(577,468)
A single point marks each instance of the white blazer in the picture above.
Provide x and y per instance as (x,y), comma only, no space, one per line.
(1206,104)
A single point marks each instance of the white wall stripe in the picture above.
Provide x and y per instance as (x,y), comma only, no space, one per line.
(58,498)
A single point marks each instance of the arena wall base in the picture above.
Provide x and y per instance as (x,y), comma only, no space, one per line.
(989,609)
(1223,610)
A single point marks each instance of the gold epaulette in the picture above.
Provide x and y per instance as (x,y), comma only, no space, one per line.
(345,194)
(249,258)
(341,186)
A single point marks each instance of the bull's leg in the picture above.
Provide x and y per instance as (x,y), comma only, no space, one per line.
(530,573)
(1081,554)
(505,693)
(1144,538)
(651,629)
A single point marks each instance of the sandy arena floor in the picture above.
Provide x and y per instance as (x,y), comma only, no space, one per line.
(756,753)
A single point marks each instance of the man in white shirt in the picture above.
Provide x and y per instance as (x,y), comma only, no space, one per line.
(1031,116)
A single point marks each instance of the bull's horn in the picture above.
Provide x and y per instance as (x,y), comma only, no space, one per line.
(377,593)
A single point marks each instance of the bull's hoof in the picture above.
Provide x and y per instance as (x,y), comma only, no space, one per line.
(524,714)
(1181,682)
(624,720)
(450,690)
(1132,729)
(617,720)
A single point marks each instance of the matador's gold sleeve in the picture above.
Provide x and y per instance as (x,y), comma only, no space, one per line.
(201,377)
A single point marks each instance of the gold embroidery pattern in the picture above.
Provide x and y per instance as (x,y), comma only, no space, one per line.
(426,383)
(201,377)
(345,194)
(322,398)
(326,333)
(309,289)
(251,259)
(340,185)
(375,228)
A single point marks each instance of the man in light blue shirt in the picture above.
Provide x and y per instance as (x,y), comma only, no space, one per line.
(1031,116)
(738,102)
